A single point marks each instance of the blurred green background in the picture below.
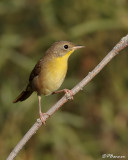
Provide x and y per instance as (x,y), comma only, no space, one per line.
(96,122)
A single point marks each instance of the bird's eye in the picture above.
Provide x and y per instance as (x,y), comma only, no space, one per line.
(65,46)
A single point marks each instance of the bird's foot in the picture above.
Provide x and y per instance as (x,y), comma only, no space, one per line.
(69,94)
(42,117)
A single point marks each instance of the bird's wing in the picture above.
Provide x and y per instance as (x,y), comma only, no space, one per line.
(36,71)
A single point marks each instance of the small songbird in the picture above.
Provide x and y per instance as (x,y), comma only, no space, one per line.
(49,73)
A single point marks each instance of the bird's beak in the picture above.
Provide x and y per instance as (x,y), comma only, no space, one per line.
(77,47)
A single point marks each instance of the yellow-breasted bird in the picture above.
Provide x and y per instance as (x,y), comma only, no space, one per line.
(49,72)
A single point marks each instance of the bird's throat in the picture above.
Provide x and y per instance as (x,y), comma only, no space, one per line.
(65,57)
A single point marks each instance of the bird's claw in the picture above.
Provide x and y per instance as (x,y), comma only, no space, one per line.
(69,94)
(42,117)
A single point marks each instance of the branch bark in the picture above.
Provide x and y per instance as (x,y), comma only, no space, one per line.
(119,46)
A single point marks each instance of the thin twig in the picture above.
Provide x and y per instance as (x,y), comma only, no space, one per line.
(120,46)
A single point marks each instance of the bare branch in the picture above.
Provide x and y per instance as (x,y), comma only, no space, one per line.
(120,46)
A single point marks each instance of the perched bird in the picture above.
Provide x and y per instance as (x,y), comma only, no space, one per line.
(49,73)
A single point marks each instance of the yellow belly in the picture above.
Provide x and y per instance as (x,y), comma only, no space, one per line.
(52,75)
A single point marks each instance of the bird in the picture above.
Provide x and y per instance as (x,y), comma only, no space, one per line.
(49,73)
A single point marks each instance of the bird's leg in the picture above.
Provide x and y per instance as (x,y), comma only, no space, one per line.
(40,112)
(67,92)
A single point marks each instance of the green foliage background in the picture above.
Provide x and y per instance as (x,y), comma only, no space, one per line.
(96,122)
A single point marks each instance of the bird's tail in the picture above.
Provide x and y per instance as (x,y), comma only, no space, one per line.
(24,95)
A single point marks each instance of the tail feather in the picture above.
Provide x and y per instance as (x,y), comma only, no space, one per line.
(23,95)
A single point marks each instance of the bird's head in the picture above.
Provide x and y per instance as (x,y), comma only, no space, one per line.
(62,48)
